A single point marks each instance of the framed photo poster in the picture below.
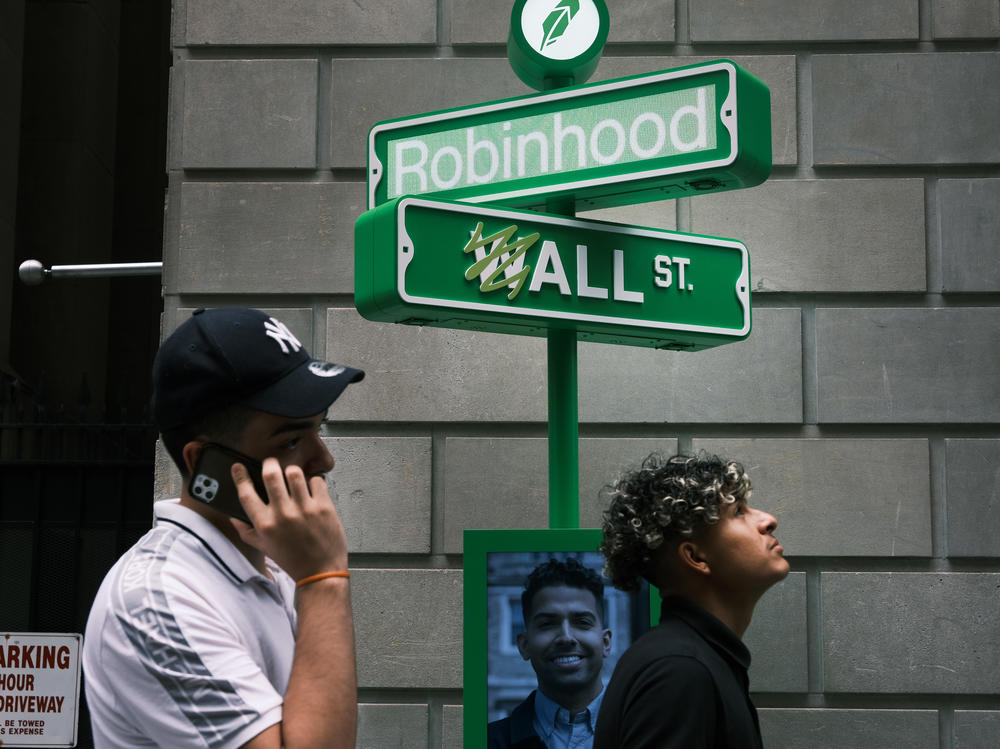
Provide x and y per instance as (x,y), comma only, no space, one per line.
(498,671)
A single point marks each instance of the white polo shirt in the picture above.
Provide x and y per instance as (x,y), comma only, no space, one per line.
(187,645)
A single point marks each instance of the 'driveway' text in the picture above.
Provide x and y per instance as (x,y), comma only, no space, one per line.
(15,703)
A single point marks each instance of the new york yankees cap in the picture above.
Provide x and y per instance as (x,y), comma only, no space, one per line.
(235,355)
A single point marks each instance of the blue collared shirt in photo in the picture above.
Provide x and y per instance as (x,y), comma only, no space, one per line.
(559,730)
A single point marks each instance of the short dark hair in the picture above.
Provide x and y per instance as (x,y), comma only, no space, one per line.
(570,573)
(222,425)
(663,500)
(222,365)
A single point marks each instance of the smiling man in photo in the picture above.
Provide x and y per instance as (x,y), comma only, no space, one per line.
(566,642)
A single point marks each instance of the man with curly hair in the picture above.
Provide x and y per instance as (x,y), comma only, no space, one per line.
(685,525)
(566,642)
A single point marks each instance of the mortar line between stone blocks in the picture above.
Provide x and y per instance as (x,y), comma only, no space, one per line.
(443,31)
(814,630)
(925,20)
(946,727)
(810,369)
(933,249)
(435,721)
(803,118)
(938,487)
(324,128)
(437,539)
(682,24)
(319,314)
(682,216)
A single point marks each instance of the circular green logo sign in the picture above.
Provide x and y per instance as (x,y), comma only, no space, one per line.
(554,43)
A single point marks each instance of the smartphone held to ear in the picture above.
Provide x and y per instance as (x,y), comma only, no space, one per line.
(212,480)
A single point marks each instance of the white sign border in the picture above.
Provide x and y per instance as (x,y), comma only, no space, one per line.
(8,636)
(376,170)
(405,255)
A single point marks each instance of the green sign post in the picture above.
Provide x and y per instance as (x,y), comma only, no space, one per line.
(448,240)
(485,263)
(505,270)
(554,44)
(674,133)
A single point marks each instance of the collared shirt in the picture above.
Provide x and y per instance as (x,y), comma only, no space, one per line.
(187,644)
(559,730)
(682,685)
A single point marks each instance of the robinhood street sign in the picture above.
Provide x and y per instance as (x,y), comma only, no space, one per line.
(459,265)
(685,131)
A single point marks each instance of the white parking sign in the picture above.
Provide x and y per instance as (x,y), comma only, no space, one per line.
(39,689)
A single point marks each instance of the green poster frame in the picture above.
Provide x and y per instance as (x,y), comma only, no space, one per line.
(478,546)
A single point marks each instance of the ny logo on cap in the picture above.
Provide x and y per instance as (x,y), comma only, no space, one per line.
(277,330)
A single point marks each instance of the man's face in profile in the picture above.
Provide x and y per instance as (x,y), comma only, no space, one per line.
(565,640)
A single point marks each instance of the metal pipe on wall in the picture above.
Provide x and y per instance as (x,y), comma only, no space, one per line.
(33,272)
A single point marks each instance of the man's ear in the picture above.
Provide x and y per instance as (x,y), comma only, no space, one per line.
(606,637)
(522,641)
(690,557)
(191,452)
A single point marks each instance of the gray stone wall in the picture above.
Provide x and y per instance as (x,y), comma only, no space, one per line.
(866,402)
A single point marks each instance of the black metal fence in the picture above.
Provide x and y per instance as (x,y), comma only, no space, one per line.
(75,493)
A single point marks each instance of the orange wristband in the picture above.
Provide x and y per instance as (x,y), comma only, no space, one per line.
(321,576)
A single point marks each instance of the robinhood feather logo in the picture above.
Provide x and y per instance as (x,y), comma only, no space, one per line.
(505,258)
(557,21)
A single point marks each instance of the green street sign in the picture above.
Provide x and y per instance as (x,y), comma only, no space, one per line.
(554,43)
(478,267)
(674,133)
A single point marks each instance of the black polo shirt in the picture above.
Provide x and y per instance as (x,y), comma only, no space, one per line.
(682,685)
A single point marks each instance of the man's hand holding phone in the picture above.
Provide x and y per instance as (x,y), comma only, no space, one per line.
(296,525)
(211,479)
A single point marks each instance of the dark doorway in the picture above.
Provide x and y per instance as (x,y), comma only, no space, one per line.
(84,184)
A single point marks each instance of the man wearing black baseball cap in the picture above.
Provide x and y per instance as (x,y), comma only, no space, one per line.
(214,631)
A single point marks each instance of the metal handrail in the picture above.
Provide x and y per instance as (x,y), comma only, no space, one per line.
(33,272)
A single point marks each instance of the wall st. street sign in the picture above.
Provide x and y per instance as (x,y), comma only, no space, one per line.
(458,265)
(673,133)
